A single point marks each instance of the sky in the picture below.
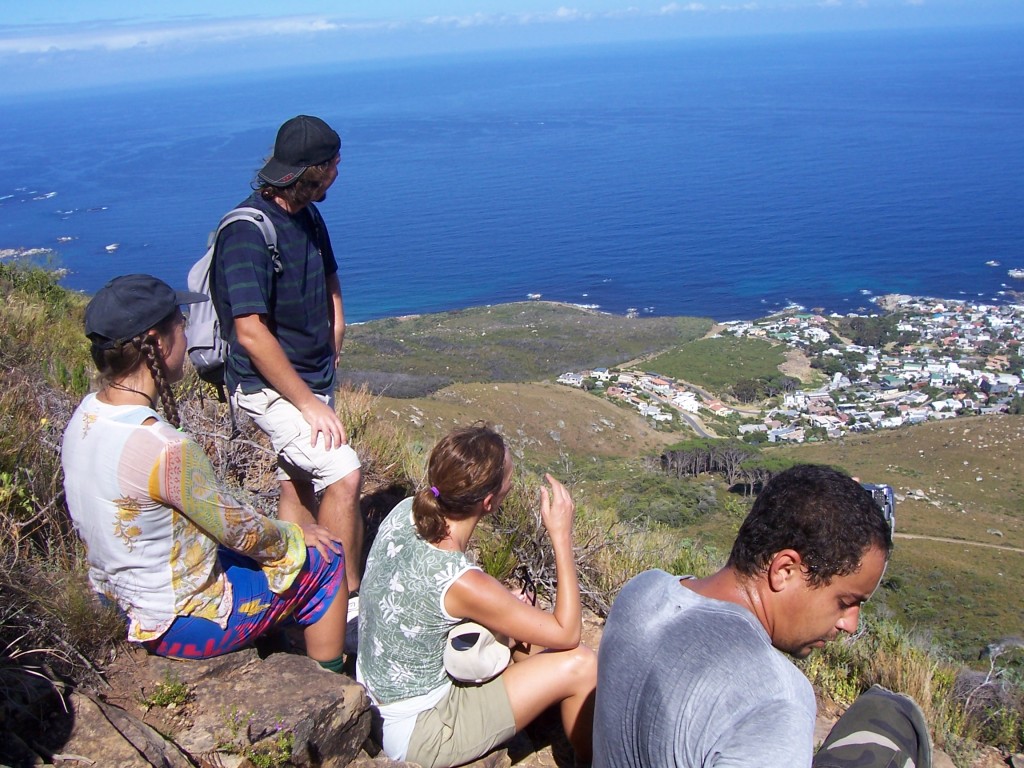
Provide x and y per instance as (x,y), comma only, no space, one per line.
(49,45)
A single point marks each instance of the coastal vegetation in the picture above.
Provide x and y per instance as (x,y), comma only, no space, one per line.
(719,363)
(526,341)
(940,603)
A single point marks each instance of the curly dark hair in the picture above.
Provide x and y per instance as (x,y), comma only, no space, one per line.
(307,188)
(824,515)
(465,467)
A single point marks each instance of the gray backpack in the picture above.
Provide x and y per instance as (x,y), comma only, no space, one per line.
(207,348)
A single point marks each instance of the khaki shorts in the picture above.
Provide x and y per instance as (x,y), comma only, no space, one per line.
(469,722)
(290,434)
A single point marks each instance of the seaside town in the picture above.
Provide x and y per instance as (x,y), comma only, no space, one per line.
(933,359)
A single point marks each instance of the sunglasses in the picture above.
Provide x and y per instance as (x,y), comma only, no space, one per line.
(529,588)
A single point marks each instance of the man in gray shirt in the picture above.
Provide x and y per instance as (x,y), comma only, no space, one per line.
(690,672)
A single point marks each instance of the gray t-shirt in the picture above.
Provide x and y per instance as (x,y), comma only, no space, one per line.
(687,681)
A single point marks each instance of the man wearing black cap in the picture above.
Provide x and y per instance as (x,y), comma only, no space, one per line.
(284,322)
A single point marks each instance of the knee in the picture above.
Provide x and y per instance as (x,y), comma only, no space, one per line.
(581,667)
(347,486)
(350,482)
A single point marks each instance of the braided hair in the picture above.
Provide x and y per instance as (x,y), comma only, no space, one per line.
(124,358)
(466,466)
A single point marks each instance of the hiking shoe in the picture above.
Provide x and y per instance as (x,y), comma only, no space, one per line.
(352,626)
(881,728)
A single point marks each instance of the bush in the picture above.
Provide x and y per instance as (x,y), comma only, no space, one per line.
(960,706)
(667,500)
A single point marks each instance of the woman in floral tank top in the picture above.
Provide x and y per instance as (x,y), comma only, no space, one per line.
(418,584)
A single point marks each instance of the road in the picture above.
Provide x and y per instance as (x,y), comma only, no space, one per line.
(1004,547)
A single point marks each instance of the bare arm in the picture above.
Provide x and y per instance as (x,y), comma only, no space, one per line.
(337,316)
(270,360)
(482,598)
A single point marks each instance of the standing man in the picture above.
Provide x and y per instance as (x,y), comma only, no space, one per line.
(285,323)
(690,672)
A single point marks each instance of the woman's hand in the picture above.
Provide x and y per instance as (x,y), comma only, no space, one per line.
(321,538)
(557,509)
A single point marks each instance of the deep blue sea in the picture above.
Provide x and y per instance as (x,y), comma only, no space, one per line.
(720,177)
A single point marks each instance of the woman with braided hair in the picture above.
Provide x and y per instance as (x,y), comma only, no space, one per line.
(196,572)
(418,585)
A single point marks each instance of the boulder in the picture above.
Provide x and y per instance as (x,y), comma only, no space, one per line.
(104,734)
(235,710)
(284,705)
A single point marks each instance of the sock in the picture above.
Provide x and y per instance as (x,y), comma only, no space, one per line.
(334,665)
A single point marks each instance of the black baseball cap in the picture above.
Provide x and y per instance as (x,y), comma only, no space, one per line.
(130,305)
(301,142)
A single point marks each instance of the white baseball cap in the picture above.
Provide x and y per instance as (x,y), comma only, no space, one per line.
(473,655)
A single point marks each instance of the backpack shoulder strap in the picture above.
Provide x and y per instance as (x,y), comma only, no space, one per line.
(319,228)
(262,222)
(318,220)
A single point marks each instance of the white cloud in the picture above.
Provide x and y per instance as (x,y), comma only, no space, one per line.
(193,33)
(743,7)
(673,8)
(561,14)
(118,38)
(567,13)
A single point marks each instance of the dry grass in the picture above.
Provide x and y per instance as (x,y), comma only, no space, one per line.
(965,592)
(959,707)
(945,459)
(541,421)
(608,552)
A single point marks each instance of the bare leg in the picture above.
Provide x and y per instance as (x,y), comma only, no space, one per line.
(339,512)
(566,677)
(297,503)
(325,640)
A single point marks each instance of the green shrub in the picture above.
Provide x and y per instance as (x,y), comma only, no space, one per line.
(961,707)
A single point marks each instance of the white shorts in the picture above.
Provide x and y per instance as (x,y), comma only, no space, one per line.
(289,433)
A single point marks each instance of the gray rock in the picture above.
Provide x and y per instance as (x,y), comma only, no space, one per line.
(112,737)
(247,702)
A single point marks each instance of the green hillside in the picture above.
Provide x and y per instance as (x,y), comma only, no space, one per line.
(952,588)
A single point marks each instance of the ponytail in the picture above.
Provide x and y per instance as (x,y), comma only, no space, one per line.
(428,515)
(465,467)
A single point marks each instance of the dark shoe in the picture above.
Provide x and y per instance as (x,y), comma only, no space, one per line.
(881,730)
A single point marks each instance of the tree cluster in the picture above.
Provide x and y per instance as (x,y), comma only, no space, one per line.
(752,390)
(875,331)
(742,465)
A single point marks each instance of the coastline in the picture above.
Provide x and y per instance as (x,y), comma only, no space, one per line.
(887,302)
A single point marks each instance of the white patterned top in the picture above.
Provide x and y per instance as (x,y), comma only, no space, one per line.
(403,624)
(151,512)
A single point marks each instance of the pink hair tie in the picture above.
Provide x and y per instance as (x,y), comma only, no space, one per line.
(437,493)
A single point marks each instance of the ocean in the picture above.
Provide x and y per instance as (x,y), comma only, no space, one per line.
(722,177)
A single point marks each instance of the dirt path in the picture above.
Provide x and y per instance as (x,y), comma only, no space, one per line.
(1004,547)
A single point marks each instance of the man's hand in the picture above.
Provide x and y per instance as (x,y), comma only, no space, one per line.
(323,420)
(265,351)
(321,538)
